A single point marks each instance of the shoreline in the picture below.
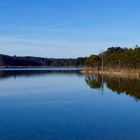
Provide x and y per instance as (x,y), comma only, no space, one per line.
(131,73)
(39,67)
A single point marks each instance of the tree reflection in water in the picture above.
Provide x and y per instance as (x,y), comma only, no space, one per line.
(4,74)
(119,85)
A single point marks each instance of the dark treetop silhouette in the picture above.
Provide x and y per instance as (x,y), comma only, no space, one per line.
(6,60)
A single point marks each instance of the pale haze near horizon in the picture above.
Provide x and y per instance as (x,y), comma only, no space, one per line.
(72,28)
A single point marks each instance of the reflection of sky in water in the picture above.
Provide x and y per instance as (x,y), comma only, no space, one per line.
(60,106)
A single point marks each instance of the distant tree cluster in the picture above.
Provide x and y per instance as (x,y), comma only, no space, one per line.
(116,57)
(6,60)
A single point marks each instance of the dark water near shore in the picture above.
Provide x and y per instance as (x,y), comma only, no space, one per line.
(63,104)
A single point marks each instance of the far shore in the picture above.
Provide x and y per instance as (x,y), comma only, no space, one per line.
(39,67)
(131,73)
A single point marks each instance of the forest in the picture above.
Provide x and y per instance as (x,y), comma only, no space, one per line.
(116,57)
(6,60)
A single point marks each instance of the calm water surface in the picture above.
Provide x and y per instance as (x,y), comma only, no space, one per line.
(62,104)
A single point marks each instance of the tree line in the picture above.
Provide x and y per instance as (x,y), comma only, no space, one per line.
(116,57)
(6,60)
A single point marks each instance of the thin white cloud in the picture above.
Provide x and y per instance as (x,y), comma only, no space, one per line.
(45,29)
(43,42)
(46,48)
(33,41)
(55,48)
(8,39)
(61,27)
(43,51)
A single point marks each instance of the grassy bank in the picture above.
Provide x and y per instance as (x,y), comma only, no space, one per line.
(134,73)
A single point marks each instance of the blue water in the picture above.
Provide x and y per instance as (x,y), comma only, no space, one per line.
(58,104)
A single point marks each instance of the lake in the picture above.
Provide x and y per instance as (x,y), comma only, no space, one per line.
(63,104)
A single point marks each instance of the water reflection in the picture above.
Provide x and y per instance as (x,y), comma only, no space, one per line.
(58,105)
(94,82)
(36,72)
(119,85)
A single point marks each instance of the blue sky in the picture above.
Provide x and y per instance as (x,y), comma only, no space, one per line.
(67,28)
